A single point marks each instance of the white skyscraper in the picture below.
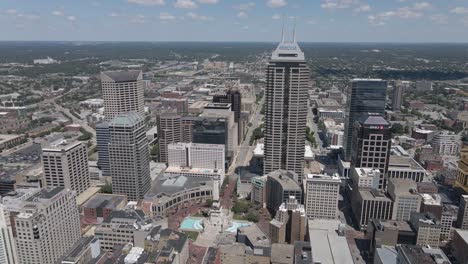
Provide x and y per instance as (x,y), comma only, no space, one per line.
(47,223)
(66,165)
(286,109)
(7,242)
(129,156)
(321,196)
(122,92)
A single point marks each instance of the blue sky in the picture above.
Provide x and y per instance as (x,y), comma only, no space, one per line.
(233,20)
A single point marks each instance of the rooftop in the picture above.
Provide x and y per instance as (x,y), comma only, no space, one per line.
(415,254)
(167,185)
(129,119)
(282,253)
(286,179)
(123,76)
(101,200)
(374,195)
(61,145)
(397,162)
(255,235)
(404,186)
(374,120)
(323,177)
(287,51)
(327,246)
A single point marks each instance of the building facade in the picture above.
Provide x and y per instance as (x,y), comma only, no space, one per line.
(285,105)
(405,198)
(66,165)
(8,253)
(280,185)
(46,222)
(122,92)
(129,156)
(290,223)
(102,147)
(366,96)
(321,196)
(446,143)
(372,139)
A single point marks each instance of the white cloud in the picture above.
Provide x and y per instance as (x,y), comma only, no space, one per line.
(71,18)
(245,6)
(57,13)
(11,11)
(421,6)
(138,19)
(407,12)
(276,3)
(20,26)
(242,14)
(245,27)
(208,1)
(147,2)
(439,19)
(338,4)
(312,21)
(196,16)
(465,20)
(276,17)
(185,4)
(459,10)
(362,9)
(114,14)
(166,16)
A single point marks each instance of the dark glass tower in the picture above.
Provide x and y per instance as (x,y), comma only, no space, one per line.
(372,139)
(366,96)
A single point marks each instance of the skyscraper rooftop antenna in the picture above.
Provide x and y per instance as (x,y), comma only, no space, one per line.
(282,31)
(294,31)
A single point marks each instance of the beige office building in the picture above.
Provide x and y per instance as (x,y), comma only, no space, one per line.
(66,165)
(321,196)
(287,82)
(122,92)
(405,198)
(47,223)
(129,156)
(7,242)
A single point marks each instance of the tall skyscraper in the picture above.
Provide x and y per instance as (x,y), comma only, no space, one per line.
(102,142)
(285,109)
(46,222)
(372,139)
(66,165)
(7,242)
(397,97)
(365,96)
(129,156)
(169,124)
(122,92)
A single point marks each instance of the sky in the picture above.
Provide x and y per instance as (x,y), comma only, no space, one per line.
(233,20)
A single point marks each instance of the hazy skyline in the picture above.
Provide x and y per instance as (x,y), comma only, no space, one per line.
(223,20)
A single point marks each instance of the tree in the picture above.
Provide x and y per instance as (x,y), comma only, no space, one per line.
(106,188)
(209,202)
(398,129)
(252,217)
(155,151)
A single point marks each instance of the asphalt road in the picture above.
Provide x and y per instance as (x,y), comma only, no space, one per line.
(244,150)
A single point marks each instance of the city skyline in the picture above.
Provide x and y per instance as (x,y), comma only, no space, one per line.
(221,20)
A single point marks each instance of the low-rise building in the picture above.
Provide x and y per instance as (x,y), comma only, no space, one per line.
(427,228)
(280,185)
(460,245)
(328,243)
(446,143)
(282,254)
(258,194)
(175,191)
(401,167)
(365,177)
(321,196)
(100,206)
(371,204)
(389,233)
(289,224)
(405,198)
